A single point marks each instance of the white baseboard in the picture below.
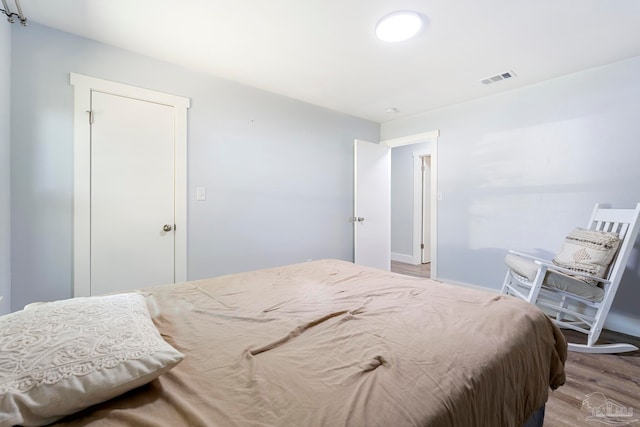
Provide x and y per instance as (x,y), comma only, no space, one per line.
(407,259)
(468,285)
(615,321)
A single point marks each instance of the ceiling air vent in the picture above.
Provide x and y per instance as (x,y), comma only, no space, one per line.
(498,77)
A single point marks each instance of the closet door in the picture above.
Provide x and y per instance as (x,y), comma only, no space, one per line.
(130,183)
(132,193)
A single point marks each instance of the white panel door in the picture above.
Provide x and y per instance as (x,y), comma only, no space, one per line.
(372,205)
(132,193)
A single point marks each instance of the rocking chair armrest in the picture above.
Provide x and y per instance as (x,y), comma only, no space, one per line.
(551,266)
(531,257)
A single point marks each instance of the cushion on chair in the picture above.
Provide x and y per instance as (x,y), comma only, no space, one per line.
(522,266)
(555,280)
(588,251)
(526,268)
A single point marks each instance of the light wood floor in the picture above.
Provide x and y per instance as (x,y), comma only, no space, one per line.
(616,376)
(421,270)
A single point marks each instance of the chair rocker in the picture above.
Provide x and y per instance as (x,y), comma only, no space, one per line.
(574,296)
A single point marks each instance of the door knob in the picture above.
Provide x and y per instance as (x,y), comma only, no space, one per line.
(166,227)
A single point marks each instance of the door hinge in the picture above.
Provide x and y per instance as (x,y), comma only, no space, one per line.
(421,245)
(90,116)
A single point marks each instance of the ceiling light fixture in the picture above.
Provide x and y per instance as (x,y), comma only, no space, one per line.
(399,26)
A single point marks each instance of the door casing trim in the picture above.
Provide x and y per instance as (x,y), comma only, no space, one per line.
(83,86)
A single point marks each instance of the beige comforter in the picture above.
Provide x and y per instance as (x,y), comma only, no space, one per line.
(328,343)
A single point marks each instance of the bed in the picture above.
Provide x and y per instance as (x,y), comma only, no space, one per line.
(330,343)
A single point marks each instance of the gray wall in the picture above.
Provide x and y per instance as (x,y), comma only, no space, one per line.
(402,197)
(519,169)
(278,172)
(5,166)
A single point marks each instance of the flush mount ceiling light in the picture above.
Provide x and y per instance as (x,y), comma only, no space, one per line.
(399,26)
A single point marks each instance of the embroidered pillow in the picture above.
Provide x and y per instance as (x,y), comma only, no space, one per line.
(588,251)
(60,357)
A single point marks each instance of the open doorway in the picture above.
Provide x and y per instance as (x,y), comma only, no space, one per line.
(414,204)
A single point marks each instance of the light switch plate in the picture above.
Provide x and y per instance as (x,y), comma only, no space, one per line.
(201,193)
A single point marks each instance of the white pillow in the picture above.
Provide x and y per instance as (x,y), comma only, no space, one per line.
(60,357)
(588,251)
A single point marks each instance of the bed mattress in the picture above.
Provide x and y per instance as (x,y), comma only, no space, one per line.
(329,343)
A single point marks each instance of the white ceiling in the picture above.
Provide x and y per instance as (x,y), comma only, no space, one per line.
(324,51)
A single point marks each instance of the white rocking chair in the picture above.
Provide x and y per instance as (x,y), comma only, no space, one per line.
(565,293)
